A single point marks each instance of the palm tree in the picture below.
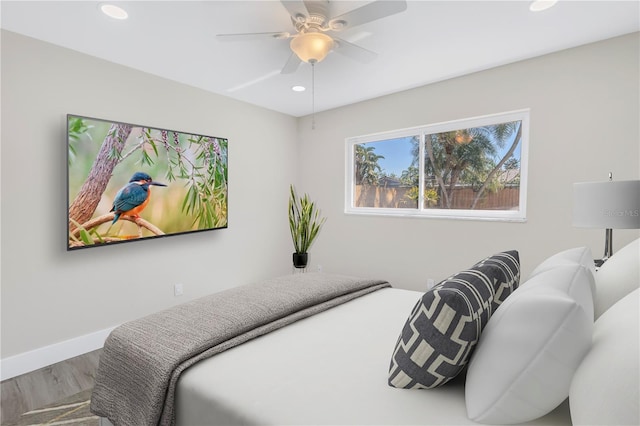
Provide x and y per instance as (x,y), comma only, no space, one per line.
(367,171)
(502,131)
(367,167)
(468,155)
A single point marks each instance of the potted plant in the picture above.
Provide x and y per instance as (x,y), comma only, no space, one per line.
(305,223)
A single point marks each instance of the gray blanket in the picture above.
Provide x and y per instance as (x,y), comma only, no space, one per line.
(143,359)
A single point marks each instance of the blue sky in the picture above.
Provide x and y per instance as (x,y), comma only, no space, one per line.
(396,152)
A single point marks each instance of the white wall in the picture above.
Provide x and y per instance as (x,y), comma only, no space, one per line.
(584,123)
(50,295)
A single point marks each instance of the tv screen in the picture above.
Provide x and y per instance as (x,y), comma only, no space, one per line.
(128,182)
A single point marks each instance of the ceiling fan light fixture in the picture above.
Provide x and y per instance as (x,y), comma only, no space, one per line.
(312,47)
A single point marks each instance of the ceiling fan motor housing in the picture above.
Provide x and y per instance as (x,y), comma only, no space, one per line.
(312,23)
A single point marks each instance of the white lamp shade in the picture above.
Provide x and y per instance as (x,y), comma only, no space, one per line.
(311,47)
(607,205)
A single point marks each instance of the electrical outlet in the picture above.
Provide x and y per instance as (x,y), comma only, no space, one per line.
(319,268)
(178,290)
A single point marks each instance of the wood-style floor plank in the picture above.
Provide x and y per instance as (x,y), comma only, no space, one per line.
(47,385)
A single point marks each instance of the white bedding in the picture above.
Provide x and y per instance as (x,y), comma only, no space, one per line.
(328,369)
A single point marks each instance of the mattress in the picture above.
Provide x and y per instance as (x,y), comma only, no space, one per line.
(328,369)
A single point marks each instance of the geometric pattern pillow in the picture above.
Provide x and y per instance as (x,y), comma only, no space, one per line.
(509,264)
(445,325)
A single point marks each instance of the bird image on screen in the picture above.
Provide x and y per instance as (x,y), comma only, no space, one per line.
(134,196)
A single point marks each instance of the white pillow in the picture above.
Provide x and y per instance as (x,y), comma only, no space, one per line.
(617,277)
(606,386)
(573,279)
(529,350)
(579,255)
(574,256)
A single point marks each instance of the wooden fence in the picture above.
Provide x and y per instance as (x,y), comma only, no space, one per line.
(507,198)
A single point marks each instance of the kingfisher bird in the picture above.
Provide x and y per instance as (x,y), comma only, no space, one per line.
(132,198)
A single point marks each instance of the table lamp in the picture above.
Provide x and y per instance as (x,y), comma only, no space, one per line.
(607,205)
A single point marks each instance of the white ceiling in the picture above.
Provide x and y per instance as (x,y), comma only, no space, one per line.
(430,41)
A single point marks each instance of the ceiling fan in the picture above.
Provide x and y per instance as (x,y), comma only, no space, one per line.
(314,37)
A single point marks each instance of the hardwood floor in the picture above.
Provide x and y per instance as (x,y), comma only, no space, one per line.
(53,384)
(73,410)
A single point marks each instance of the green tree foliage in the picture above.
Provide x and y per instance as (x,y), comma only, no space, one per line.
(366,164)
(77,128)
(468,156)
(203,164)
(410,176)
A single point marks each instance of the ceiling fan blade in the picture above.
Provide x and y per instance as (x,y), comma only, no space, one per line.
(367,13)
(292,64)
(253,36)
(318,8)
(250,83)
(296,9)
(354,51)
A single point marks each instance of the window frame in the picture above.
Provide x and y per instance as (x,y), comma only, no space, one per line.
(519,215)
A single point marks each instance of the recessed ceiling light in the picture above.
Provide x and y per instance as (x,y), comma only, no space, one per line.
(540,5)
(113,11)
(298,88)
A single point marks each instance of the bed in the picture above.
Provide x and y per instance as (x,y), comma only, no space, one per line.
(332,366)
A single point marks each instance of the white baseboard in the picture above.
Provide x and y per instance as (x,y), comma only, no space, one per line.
(33,360)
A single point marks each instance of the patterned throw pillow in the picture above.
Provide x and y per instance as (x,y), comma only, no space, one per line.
(445,325)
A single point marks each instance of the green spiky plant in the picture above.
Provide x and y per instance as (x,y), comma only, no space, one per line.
(304,221)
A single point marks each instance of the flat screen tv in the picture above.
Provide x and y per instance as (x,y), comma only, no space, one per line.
(128,182)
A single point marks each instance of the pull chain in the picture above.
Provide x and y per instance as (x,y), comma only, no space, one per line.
(313,96)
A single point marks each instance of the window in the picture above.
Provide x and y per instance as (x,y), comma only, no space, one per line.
(467,169)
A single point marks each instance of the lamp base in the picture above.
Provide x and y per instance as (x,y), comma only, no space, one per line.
(608,247)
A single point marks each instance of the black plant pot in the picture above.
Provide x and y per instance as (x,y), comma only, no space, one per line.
(300,260)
